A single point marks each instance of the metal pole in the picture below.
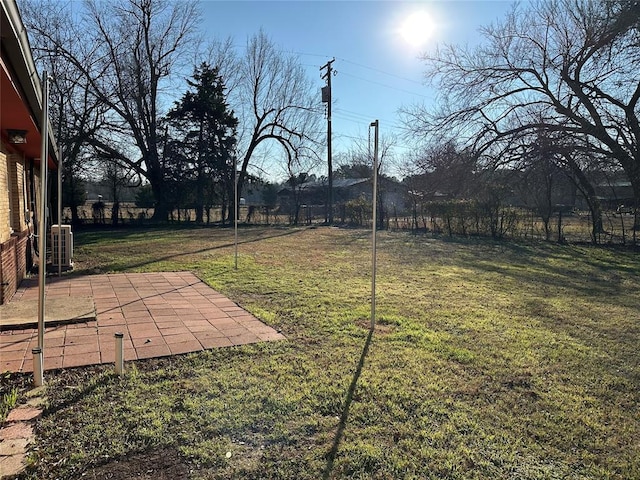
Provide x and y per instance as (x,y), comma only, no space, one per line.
(38,377)
(42,222)
(236,209)
(375,226)
(119,353)
(60,192)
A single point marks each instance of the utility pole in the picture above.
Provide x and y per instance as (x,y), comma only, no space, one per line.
(326,98)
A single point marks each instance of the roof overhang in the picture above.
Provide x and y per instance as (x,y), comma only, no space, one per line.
(20,89)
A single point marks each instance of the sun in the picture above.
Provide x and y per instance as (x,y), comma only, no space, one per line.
(417,28)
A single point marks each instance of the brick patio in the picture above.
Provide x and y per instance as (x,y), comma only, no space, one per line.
(160,314)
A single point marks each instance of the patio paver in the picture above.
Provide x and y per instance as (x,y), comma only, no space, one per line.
(160,314)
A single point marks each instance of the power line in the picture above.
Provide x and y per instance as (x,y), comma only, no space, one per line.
(352,137)
(364,117)
(355,114)
(306,54)
(356,117)
(380,71)
(361,65)
(356,76)
(384,85)
(362,121)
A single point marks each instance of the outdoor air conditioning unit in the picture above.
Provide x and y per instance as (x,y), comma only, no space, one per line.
(61,235)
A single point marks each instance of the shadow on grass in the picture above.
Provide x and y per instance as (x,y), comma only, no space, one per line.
(104,378)
(192,252)
(331,457)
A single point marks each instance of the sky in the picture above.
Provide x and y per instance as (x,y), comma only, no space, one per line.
(378,70)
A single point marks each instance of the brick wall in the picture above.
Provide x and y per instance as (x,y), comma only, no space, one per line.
(13,265)
(14,258)
(8,283)
(18,202)
(5,221)
(22,245)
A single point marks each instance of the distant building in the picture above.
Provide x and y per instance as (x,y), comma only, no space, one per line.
(20,150)
(314,192)
(616,194)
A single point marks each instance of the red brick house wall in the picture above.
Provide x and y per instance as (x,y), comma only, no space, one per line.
(14,232)
(20,145)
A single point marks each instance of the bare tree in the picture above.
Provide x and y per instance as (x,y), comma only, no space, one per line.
(538,185)
(358,163)
(450,168)
(418,187)
(125,53)
(573,153)
(567,67)
(76,114)
(76,117)
(115,178)
(297,172)
(274,101)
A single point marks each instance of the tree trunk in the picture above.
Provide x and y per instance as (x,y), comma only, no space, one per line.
(75,219)
(161,207)
(115,213)
(560,236)
(546,221)
(634,178)
(199,198)
(200,177)
(585,186)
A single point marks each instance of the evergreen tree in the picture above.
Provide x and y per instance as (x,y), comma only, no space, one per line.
(204,131)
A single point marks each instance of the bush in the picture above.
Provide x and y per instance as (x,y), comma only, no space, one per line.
(357,210)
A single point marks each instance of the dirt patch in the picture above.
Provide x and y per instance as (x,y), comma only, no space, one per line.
(380,328)
(164,464)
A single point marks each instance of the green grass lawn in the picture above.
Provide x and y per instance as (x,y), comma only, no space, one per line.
(489,361)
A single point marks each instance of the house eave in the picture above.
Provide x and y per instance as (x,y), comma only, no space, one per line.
(19,66)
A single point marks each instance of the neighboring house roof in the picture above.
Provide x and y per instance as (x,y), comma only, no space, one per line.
(615,183)
(20,90)
(349,182)
(315,185)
